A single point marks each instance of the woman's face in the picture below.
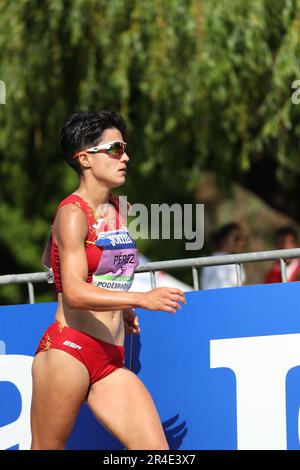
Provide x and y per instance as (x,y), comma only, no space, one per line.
(235,242)
(109,169)
(286,242)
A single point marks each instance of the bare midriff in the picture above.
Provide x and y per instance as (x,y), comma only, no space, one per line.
(107,326)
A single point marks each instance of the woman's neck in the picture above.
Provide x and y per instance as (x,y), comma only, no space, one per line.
(94,195)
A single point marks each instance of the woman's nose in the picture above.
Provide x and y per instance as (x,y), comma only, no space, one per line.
(125,157)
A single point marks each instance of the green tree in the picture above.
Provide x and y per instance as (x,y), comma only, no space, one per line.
(252,58)
(202,83)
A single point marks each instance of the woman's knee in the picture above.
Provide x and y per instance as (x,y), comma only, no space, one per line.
(51,444)
(162,445)
(148,443)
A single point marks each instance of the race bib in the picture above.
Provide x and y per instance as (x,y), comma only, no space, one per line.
(119,259)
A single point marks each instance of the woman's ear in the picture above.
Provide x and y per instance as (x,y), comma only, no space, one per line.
(85,160)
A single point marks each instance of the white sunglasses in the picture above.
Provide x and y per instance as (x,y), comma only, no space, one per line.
(116,149)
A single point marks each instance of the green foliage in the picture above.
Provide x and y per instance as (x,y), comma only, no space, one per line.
(202,83)
(251,55)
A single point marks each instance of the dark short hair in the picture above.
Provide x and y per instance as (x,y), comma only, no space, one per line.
(83,130)
(285,231)
(219,236)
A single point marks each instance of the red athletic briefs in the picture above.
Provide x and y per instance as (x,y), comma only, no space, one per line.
(99,357)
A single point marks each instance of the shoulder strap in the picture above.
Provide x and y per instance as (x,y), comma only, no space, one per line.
(46,258)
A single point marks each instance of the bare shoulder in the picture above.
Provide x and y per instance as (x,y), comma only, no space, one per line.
(70,212)
(70,222)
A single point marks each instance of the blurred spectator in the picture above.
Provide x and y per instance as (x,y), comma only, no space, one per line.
(285,238)
(229,239)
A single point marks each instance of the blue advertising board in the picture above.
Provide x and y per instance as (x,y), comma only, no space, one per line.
(224,371)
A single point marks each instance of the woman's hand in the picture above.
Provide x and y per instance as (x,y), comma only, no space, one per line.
(163,298)
(131,321)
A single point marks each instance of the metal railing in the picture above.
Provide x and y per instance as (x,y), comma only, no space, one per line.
(193,263)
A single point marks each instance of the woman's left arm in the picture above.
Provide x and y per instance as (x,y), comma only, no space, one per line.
(131,321)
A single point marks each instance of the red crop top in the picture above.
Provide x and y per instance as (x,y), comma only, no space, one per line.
(93,253)
(118,250)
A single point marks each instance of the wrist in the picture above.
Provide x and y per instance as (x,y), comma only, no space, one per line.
(138,300)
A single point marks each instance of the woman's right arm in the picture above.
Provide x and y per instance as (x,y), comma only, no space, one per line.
(70,230)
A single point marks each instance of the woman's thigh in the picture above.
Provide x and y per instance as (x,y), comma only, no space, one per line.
(60,385)
(121,402)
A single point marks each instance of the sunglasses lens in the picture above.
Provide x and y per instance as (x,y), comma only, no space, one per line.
(117,149)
